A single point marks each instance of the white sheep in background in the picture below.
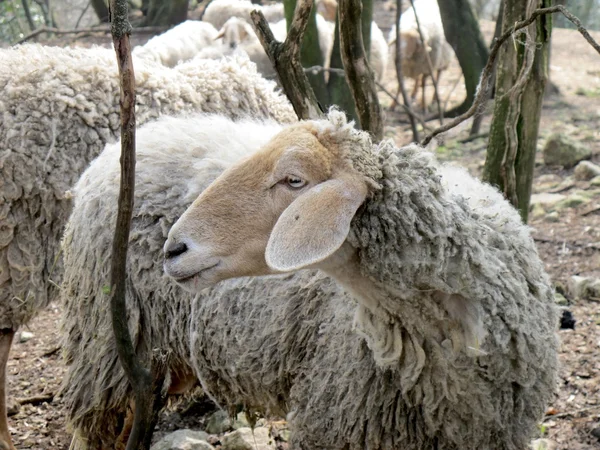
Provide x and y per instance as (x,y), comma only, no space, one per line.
(415,51)
(176,159)
(59,107)
(378,58)
(327,9)
(219,11)
(178,44)
(458,346)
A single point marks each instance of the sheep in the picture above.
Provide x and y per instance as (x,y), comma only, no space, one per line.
(59,107)
(327,9)
(180,43)
(176,159)
(219,11)
(415,51)
(378,58)
(456,345)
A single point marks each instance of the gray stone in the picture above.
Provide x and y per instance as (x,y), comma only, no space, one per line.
(543,444)
(24,336)
(183,440)
(561,150)
(546,200)
(240,421)
(595,181)
(584,288)
(552,217)
(586,170)
(245,439)
(218,423)
(560,299)
(572,201)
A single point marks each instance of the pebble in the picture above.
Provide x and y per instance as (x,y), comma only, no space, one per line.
(246,439)
(25,336)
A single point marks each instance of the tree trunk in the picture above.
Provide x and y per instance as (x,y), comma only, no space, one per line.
(310,54)
(463,34)
(172,12)
(28,15)
(514,130)
(339,92)
(101,10)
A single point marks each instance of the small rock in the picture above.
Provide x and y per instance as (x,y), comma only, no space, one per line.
(24,336)
(552,216)
(543,444)
(244,439)
(595,181)
(12,408)
(572,201)
(584,287)
(240,421)
(586,170)
(561,150)
(596,433)
(183,440)
(546,199)
(218,423)
(567,321)
(560,299)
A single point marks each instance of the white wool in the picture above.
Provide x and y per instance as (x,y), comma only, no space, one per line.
(178,44)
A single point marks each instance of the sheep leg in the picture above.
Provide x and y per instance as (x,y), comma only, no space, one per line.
(423,86)
(413,94)
(6,338)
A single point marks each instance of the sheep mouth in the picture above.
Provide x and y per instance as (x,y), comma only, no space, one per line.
(195,275)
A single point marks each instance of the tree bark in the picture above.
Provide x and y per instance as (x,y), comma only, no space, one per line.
(285,58)
(521,79)
(28,15)
(310,53)
(101,9)
(147,384)
(359,75)
(337,86)
(463,34)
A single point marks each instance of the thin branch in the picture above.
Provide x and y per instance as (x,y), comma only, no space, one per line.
(407,109)
(82,14)
(358,71)
(570,413)
(101,29)
(411,118)
(481,96)
(146,384)
(429,64)
(28,15)
(285,58)
(36,399)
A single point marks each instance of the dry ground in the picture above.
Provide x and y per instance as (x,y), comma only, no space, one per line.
(569,247)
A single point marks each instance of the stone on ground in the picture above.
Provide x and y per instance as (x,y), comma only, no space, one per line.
(244,439)
(183,440)
(561,150)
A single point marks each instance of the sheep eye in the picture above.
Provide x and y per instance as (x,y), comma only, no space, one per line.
(295,182)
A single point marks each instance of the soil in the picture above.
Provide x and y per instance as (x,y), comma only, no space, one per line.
(569,246)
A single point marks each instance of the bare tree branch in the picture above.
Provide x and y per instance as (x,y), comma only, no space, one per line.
(411,118)
(147,385)
(285,58)
(484,82)
(101,29)
(358,71)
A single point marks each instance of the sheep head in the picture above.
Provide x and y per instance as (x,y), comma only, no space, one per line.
(234,32)
(287,207)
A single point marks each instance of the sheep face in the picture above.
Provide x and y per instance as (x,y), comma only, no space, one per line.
(287,207)
(234,32)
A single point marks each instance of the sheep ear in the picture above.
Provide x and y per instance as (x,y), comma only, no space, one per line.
(315,225)
(220,35)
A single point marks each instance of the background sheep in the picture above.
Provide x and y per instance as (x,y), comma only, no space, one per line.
(176,159)
(327,9)
(219,11)
(178,44)
(415,51)
(59,107)
(453,301)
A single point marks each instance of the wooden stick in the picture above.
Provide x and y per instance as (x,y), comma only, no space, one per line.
(285,58)
(100,29)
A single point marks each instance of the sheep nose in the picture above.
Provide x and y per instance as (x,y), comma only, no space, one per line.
(232,44)
(175,249)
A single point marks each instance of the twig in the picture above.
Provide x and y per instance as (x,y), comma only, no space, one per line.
(100,29)
(450,94)
(474,137)
(317,69)
(285,58)
(147,384)
(36,399)
(398,49)
(481,97)
(358,71)
(82,14)
(51,352)
(590,211)
(407,109)
(430,65)
(571,413)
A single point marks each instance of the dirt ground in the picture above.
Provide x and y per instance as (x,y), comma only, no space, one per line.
(570,246)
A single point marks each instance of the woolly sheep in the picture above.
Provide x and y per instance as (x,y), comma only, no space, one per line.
(176,159)
(414,50)
(59,107)
(327,9)
(219,11)
(452,299)
(378,58)
(180,43)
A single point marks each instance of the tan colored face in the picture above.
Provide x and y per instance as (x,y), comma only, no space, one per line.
(284,208)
